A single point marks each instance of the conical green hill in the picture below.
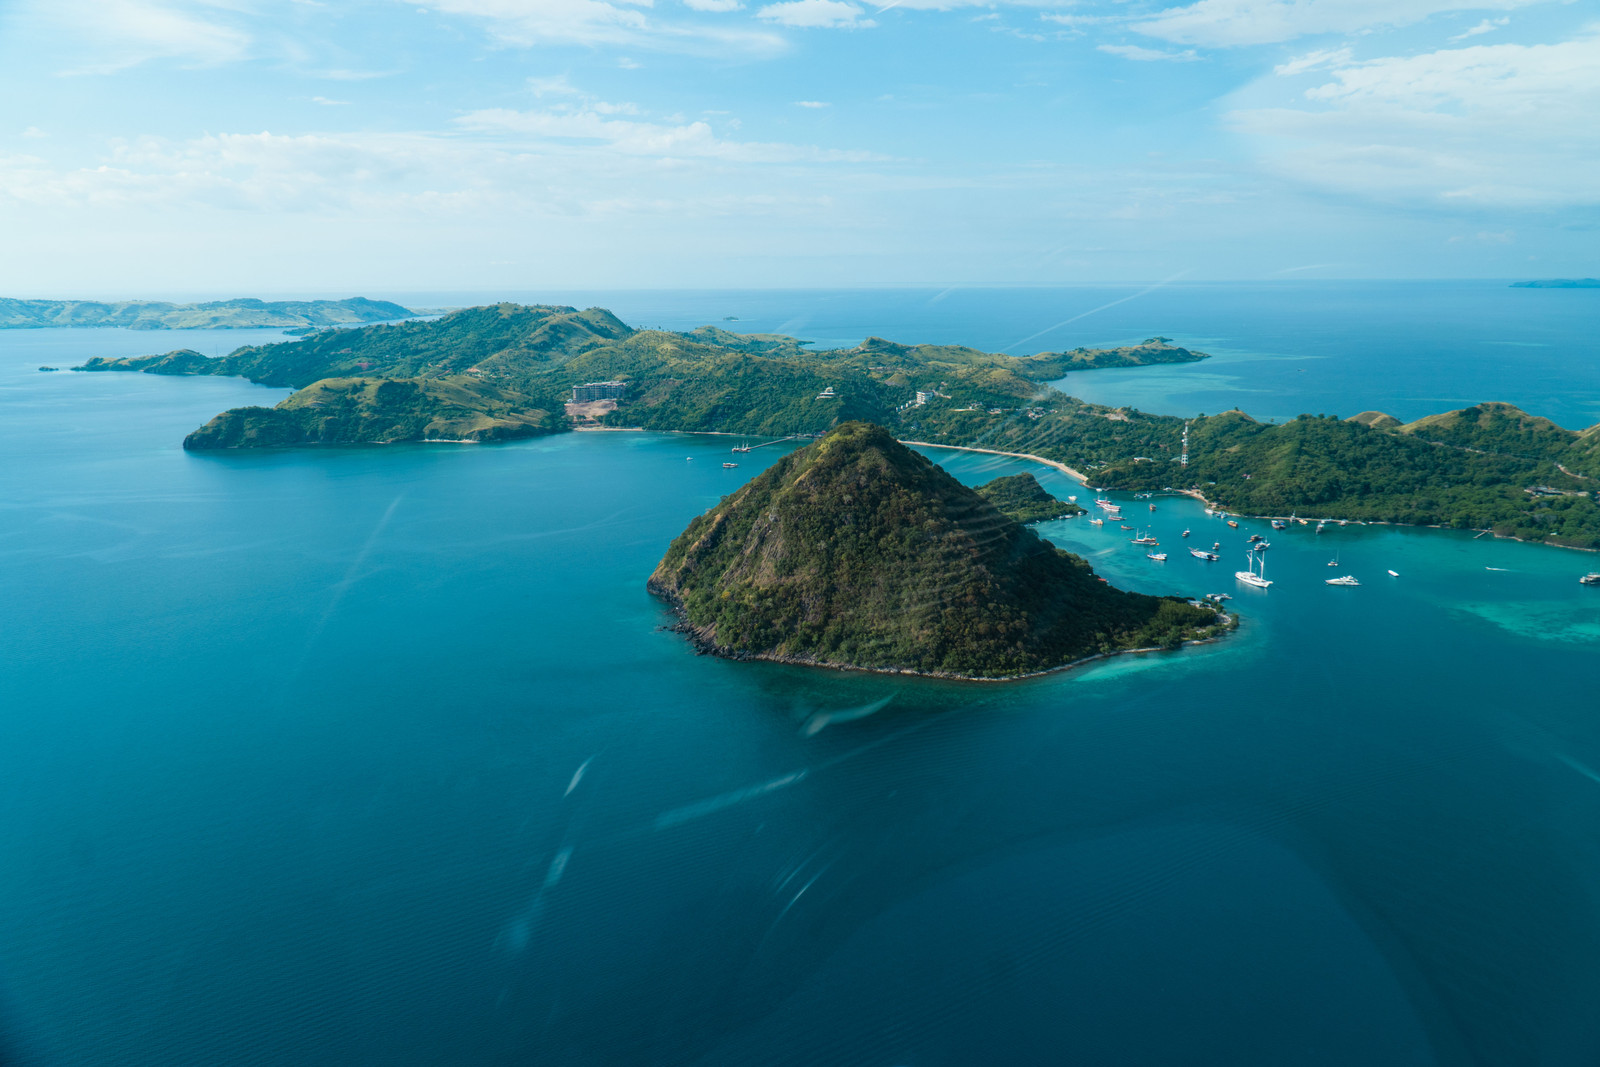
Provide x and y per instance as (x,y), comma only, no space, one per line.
(856,551)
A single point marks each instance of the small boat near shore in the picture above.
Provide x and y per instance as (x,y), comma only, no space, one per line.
(1234,524)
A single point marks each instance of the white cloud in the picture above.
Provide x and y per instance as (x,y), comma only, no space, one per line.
(812,103)
(1486,26)
(593,125)
(816,14)
(1244,22)
(325,102)
(125,33)
(34,132)
(713,5)
(1486,126)
(1328,57)
(1147,55)
(595,22)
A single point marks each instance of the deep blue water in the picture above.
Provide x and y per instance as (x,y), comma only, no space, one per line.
(380,756)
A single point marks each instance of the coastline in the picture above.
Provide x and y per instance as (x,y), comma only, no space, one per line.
(703,646)
(1015,455)
(1197,495)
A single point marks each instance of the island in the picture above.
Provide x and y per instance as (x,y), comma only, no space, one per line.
(214,315)
(857,552)
(506,370)
(1559,283)
(1020,498)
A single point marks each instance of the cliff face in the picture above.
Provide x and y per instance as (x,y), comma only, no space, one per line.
(856,551)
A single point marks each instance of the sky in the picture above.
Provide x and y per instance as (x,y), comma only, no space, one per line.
(259,147)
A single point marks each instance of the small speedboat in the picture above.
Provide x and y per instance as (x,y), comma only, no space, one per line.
(1097,522)
(1159,557)
(1186,533)
(730,464)
(1394,574)
(1233,524)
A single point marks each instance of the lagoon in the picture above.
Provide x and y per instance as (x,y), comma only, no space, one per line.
(382,756)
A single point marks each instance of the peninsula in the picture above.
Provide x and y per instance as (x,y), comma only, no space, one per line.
(857,552)
(215,315)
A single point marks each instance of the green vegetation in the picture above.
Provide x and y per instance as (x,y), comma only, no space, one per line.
(1021,498)
(857,551)
(506,370)
(216,315)
(379,411)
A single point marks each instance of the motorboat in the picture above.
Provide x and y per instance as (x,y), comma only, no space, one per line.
(1253,538)
(1097,522)
(1186,533)
(1279,524)
(1346,580)
(1394,574)
(1235,525)
(1159,557)
(1592,578)
(730,464)
(1200,553)
(1262,546)
(1217,597)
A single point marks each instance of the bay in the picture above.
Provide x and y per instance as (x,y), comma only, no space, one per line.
(382,756)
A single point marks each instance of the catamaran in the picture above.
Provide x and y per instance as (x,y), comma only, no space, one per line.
(1250,577)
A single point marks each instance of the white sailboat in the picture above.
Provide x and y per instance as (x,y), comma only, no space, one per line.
(1250,577)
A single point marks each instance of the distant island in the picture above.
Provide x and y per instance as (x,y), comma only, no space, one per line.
(857,552)
(1559,283)
(506,371)
(215,315)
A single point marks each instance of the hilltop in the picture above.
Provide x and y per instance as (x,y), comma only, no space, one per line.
(858,552)
(215,315)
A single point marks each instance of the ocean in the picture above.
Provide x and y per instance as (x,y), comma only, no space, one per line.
(382,755)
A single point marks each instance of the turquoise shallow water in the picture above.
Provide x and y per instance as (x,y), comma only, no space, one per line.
(380,756)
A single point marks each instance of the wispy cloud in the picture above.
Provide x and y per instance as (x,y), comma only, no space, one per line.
(628,23)
(593,124)
(1473,128)
(1148,55)
(816,14)
(1320,60)
(1245,22)
(120,34)
(1486,26)
(812,103)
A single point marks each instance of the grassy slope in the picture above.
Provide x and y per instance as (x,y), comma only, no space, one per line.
(857,551)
